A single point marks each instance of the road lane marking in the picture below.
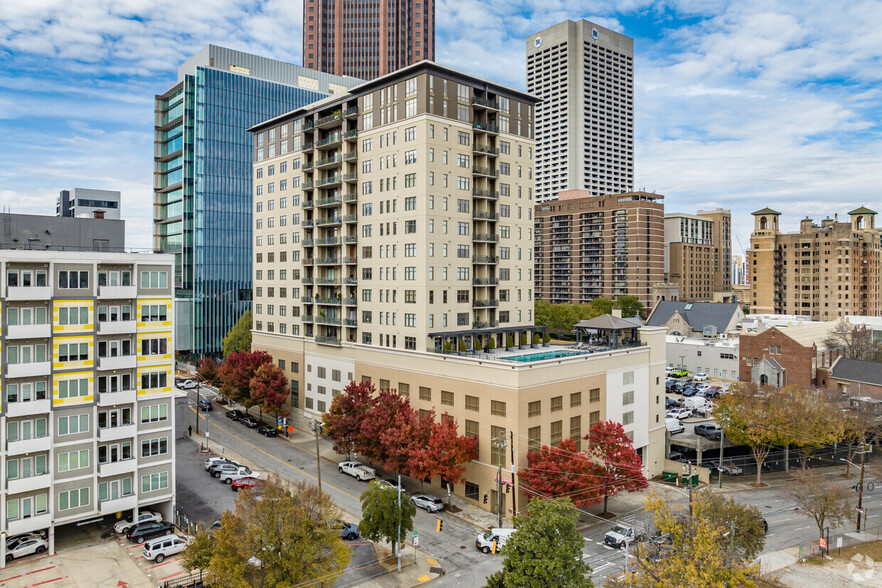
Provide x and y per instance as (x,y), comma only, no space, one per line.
(284,463)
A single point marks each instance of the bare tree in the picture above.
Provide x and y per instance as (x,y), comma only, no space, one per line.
(854,342)
(861,426)
(822,501)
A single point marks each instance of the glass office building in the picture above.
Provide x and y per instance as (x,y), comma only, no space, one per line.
(202,179)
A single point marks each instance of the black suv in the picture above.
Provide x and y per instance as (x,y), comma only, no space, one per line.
(144,531)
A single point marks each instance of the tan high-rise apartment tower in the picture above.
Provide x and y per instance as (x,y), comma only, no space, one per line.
(825,272)
(367,39)
(698,253)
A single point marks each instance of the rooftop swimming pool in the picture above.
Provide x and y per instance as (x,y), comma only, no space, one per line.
(543,356)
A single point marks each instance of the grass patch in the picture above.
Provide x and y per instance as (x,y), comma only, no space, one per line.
(872,549)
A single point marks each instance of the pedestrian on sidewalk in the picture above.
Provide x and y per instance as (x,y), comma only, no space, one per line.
(190,430)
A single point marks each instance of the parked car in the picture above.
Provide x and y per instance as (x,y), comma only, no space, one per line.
(708,431)
(159,549)
(671,403)
(731,469)
(668,370)
(145,516)
(679,373)
(676,456)
(704,411)
(213,461)
(690,391)
(11,542)
(228,477)
(674,426)
(348,531)
(391,484)
(249,421)
(694,402)
(205,405)
(678,413)
(700,377)
(246,482)
(150,530)
(26,547)
(356,470)
(224,468)
(187,384)
(713,392)
(621,535)
(267,431)
(428,502)
(235,414)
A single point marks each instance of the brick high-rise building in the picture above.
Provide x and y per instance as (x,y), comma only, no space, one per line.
(588,247)
(584,75)
(698,253)
(826,272)
(367,39)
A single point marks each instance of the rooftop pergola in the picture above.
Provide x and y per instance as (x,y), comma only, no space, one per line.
(478,339)
(608,330)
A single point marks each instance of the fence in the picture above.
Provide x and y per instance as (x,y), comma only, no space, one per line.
(194,580)
(841,537)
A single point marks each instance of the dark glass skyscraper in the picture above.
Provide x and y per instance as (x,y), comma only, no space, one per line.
(202,179)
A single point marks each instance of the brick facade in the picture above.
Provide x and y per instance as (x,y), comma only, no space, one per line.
(800,362)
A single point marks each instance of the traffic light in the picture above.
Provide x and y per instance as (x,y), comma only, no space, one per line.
(485,498)
(440,525)
(507,488)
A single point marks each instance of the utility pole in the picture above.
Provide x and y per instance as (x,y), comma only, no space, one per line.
(514,490)
(861,488)
(689,481)
(720,470)
(500,457)
(198,408)
(316,427)
(398,538)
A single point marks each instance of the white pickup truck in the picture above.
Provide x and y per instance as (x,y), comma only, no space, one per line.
(622,535)
(357,470)
(228,477)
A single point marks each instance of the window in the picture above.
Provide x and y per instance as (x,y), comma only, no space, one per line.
(593,419)
(410,226)
(410,203)
(74,460)
(26,278)
(154,346)
(154,280)
(73,499)
(409,180)
(410,343)
(556,403)
(446,398)
(17,354)
(425,393)
(462,296)
(153,482)
(152,380)
(27,467)
(556,433)
(534,408)
(114,489)
(575,399)
(153,447)
(154,413)
(410,273)
(462,160)
(410,156)
(26,391)
(628,418)
(472,403)
(628,398)
(628,378)
(409,319)
(462,183)
(472,491)
(73,279)
(463,138)
(71,425)
(151,313)
(594,395)
(73,388)
(534,436)
(114,278)
(73,352)
(471,430)
(27,316)
(497,408)
(576,431)
(410,133)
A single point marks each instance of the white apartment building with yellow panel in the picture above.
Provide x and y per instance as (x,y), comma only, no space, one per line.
(87,373)
(393,241)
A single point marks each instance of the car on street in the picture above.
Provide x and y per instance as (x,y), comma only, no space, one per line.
(249,421)
(427,502)
(708,430)
(699,377)
(187,384)
(26,547)
(267,431)
(205,405)
(731,469)
(678,413)
(229,477)
(235,414)
(679,373)
(159,549)
(357,470)
(145,531)
(348,531)
(145,516)
(246,482)
(622,535)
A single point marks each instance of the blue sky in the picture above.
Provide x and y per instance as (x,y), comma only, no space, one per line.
(739,104)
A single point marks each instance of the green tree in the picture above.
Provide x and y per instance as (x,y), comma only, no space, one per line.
(746,520)
(383,515)
(700,552)
(827,504)
(813,420)
(239,337)
(595,308)
(631,306)
(198,554)
(546,549)
(284,539)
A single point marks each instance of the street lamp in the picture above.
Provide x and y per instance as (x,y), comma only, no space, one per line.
(860,503)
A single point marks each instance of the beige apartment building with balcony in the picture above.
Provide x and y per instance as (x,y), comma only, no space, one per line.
(393,242)
(87,420)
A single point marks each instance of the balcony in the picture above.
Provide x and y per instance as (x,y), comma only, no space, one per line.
(308,124)
(309,261)
(14,293)
(485,103)
(120,362)
(353,134)
(328,241)
(34,523)
(116,398)
(350,239)
(307,318)
(16,409)
(350,197)
(485,303)
(308,205)
(29,484)
(351,301)
(328,161)
(335,341)
(485,259)
(328,202)
(350,322)
(488,194)
(485,127)
(328,142)
(328,181)
(117,327)
(329,221)
(485,150)
(350,281)
(327,281)
(117,291)
(306,299)
(110,507)
(485,281)
(352,111)
(115,468)
(350,178)
(29,331)
(328,121)
(485,172)
(327,261)
(28,370)
(488,216)
(33,445)
(308,280)
(328,320)
(117,433)
(350,260)
(485,238)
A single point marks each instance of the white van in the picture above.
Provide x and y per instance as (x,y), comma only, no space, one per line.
(694,402)
(499,536)
(674,426)
(161,548)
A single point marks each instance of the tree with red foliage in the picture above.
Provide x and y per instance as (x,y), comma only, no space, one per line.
(410,431)
(269,389)
(383,428)
(620,466)
(343,422)
(562,472)
(236,373)
(444,454)
(208,371)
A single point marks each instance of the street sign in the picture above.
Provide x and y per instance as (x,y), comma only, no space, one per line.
(290,429)
(416,539)
(206,434)
(839,542)
(823,543)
